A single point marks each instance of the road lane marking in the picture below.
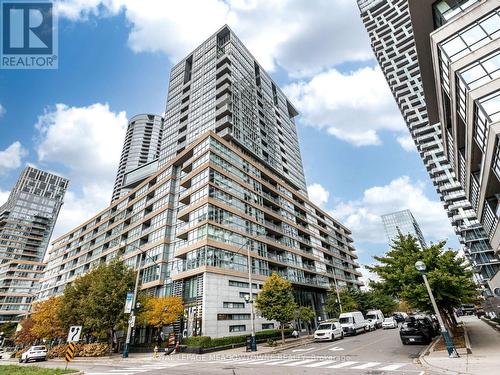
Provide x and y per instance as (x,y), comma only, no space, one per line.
(366,365)
(322,363)
(303,350)
(335,349)
(258,362)
(300,362)
(343,364)
(280,362)
(393,367)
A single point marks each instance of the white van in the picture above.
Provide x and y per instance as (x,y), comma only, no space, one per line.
(328,331)
(376,316)
(352,322)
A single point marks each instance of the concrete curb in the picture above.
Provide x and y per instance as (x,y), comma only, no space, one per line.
(292,345)
(491,323)
(467,340)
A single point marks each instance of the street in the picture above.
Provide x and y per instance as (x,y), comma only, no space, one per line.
(378,352)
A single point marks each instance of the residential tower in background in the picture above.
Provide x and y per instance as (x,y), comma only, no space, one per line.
(26,223)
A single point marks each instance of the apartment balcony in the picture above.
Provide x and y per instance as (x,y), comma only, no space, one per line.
(223,99)
(225,78)
(489,219)
(223,110)
(222,90)
(223,123)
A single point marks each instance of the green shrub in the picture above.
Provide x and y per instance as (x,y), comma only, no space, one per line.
(208,342)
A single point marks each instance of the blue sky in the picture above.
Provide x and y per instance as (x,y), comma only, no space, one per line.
(114,62)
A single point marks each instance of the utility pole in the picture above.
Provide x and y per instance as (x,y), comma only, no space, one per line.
(452,352)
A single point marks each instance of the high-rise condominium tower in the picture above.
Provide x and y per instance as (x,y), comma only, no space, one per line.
(140,152)
(398,48)
(461,56)
(250,109)
(402,222)
(230,184)
(26,224)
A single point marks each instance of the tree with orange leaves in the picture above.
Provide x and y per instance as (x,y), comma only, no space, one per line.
(161,311)
(46,323)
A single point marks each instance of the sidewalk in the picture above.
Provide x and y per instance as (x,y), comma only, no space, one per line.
(485,356)
(262,350)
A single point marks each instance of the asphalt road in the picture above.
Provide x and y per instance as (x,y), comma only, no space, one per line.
(379,352)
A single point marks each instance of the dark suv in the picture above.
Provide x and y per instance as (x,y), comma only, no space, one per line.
(416,330)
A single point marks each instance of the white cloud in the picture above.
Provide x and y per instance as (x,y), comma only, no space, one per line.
(301,36)
(363,215)
(318,194)
(86,140)
(367,276)
(4,195)
(11,157)
(406,141)
(2,110)
(87,143)
(353,107)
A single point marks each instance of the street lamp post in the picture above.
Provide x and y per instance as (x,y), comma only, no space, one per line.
(250,299)
(134,298)
(132,312)
(452,353)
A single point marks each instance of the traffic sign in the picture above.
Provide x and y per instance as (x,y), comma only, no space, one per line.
(70,352)
(131,321)
(74,333)
(128,303)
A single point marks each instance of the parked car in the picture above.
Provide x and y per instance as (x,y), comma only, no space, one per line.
(329,331)
(389,323)
(352,322)
(377,316)
(370,325)
(400,316)
(37,353)
(480,313)
(415,331)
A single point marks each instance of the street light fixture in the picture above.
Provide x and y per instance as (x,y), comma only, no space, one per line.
(452,353)
(134,298)
(249,297)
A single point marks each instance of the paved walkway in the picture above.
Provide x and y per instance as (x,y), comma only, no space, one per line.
(485,357)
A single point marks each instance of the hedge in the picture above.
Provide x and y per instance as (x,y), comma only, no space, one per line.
(208,342)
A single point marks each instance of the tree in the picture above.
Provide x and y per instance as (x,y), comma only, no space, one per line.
(306,315)
(348,302)
(373,300)
(449,276)
(96,300)
(275,301)
(46,323)
(161,311)
(25,336)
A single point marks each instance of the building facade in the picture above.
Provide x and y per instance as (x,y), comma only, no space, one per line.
(464,57)
(402,222)
(26,223)
(140,152)
(214,199)
(398,43)
(250,108)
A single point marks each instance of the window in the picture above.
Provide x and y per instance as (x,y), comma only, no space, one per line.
(267,325)
(233,305)
(233,316)
(243,294)
(238,328)
(242,284)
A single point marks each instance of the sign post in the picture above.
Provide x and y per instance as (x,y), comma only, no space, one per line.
(73,337)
